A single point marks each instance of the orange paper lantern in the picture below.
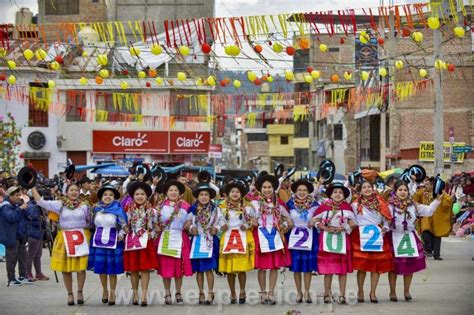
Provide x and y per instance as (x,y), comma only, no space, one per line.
(304,43)
(99,80)
(335,78)
(152,73)
(258,48)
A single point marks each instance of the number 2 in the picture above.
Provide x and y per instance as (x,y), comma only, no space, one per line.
(405,247)
(303,238)
(369,245)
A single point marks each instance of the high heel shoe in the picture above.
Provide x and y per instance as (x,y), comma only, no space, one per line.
(179,298)
(80,301)
(327,299)
(233,300)
(342,300)
(263,298)
(271,301)
(105,300)
(299,298)
(408,298)
(203,300)
(307,298)
(70,302)
(135,298)
(168,299)
(393,298)
(112,301)
(373,299)
(242,298)
(209,302)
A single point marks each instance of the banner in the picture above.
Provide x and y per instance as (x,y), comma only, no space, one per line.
(371,239)
(76,243)
(171,242)
(135,242)
(334,243)
(269,240)
(301,238)
(404,245)
(200,248)
(427,152)
(105,237)
(235,242)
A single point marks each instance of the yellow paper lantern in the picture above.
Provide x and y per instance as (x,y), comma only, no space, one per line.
(211,80)
(11,64)
(124,85)
(11,79)
(102,60)
(269,79)
(184,50)
(251,76)
(444,65)
(142,74)
(364,37)
(104,73)
(135,51)
(347,75)
(438,64)
(383,72)
(85,54)
(237,84)
(459,31)
(156,49)
(289,75)
(423,73)
(181,76)
(40,54)
(232,50)
(159,81)
(417,36)
(28,54)
(433,23)
(55,65)
(83,81)
(3,52)
(315,74)
(51,84)
(399,64)
(277,47)
(364,75)
(323,47)
(308,78)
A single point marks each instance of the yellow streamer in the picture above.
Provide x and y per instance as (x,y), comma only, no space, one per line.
(133,31)
(139,30)
(283,24)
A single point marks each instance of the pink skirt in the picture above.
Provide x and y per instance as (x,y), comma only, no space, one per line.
(407,266)
(272,260)
(334,264)
(171,267)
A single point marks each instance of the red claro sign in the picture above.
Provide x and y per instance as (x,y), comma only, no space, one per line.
(189,142)
(130,141)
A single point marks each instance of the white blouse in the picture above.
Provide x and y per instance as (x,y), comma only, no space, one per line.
(267,220)
(411,217)
(368,217)
(178,221)
(339,219)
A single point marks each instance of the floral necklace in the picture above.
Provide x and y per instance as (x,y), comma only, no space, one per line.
(73,204)
(303,205)
(335,207)
(238,207)
(176,207)
(400,207)
(139,216)
(371,203)
(203,217)
(269,210)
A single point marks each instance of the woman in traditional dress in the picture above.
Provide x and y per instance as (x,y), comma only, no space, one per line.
(301,207)
(172,216)
(371,210)
(235,214)
(141,223)
(270,215)
(106,260)
(73,215)
(203,216)
(333,217)
(404,213)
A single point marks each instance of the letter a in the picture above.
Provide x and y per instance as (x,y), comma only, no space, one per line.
(235,242)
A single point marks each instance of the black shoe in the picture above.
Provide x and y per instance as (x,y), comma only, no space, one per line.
(70,303)
(428,254)
(144,303)
(80,301)
(202,301)
(438,258)
(394,299)
(408,298)
(179,298)
(242,299)
(209,302)
(374,300)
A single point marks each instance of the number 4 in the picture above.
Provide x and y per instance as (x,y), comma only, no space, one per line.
(406,247)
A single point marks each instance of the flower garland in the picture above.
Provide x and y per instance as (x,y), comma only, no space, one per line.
(371,203)
(237,206)
(400,207)
(203,217)
(139,217)
(266,210)
(333,211)
(303,205)
(176,207)
(73,204)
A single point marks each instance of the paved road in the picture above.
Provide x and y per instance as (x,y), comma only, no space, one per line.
(445,288)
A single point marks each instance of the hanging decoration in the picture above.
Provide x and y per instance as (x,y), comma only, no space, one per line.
(11,135)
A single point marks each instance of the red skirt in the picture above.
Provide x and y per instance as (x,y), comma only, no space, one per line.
(380,262)
(332,263)
(142,259)
(272,260)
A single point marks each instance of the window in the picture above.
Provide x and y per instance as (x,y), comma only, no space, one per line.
(38,103)
(61,7)
(185,104)
(284,140)
(118,106)
(338,134)
(301,129)
(333,49)
(75,106)
(301,159)
(253,137)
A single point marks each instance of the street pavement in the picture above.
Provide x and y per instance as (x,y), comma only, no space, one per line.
(446,287)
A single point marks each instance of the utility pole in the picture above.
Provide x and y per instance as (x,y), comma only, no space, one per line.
(438,122)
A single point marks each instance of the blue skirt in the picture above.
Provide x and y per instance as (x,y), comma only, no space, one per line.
(206,264)
(305,260)
(106,261)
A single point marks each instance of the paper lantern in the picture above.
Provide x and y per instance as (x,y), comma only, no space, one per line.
(323,47)
(54,65)
(399,64)
(232,50)
(290,51)
(433,23)
(223,83)
(156,49)
(417,36)
(83,81)
(380,40)
(309,69)
(277,47)
(199,82)
(184,50)
(102,60)
(211,80)
(438,64)
(85,54)
(451,67)
(141,74)
(237,84)
(206,48)
(335,78)
(251,76)
(258,48)
(124,72)
(104,73)
(3,52)
(99,80)
(59,59)
(3,77)
(152,73)
(459,31)
(406,31)
(40,54)
(28,54)
(12,79)
(159,81)
(124,85)
(423,73)
(269,79)
(181,76)
(135,51)
(257,82)
(364,37)
(308,78)
(304,43)
(315,74)
(148,85)
(342,40)
(289,75)
(347,75)
(51,84)
(364,75)
(383,72)
(11,64)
